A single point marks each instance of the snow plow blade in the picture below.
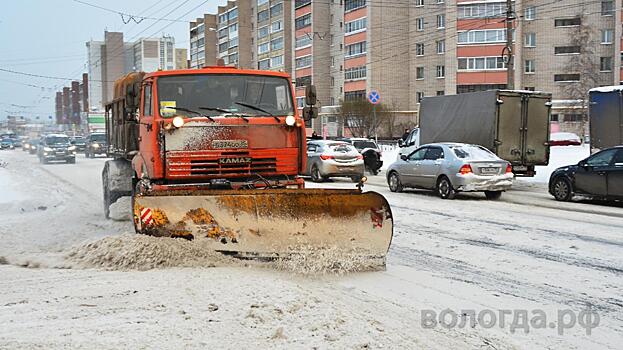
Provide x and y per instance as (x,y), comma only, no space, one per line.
(272,223)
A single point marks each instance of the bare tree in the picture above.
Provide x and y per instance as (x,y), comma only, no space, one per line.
(358,117)
(584,63)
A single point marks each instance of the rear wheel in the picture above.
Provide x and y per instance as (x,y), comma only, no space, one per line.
(562,189)
(315,174)
(110,196)
(445,189)
(394,182)
(493,195)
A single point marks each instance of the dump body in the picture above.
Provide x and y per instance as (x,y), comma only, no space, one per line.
(606,117)
(512,124)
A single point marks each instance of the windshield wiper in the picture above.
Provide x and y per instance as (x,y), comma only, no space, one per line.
(191,111)
(259,109)
(216,109)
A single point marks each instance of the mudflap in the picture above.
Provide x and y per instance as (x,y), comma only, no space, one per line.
(272,223)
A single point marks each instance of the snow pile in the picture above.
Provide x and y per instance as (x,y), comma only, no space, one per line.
(121,210)
(140,252)
(560,156)
(323,261)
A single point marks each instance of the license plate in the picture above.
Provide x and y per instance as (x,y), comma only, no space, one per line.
(520,168)
(488,170)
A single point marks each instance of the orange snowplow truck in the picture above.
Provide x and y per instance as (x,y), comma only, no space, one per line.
(215,154)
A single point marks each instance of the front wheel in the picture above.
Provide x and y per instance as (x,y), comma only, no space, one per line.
(493,195)
(562,190)
(394,182)
(445,189)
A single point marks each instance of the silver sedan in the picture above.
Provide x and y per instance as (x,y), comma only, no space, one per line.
(326,159)
(449,168)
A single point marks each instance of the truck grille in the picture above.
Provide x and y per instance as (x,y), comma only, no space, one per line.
(240,164)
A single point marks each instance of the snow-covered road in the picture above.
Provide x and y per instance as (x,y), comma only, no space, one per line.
(525,252)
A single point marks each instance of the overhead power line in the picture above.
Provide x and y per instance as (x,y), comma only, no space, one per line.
(128,17)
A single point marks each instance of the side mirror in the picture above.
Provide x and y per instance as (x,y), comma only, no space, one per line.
(401,143)
(310,113)
(310,95)
(132,96)
(583,164)
(403,157)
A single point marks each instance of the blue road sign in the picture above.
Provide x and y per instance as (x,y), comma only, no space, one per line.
(374,97)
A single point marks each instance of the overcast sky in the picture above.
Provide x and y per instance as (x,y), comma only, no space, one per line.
(47,37)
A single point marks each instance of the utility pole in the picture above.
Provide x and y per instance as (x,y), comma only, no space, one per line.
(510,79)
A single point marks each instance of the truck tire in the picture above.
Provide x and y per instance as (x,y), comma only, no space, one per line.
(493,195)
(116,182)
(445,189)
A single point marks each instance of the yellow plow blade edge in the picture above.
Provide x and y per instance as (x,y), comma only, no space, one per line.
(272,222)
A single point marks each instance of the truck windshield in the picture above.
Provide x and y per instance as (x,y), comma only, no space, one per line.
(228,92)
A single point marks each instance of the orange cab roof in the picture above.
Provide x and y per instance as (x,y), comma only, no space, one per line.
(217,70)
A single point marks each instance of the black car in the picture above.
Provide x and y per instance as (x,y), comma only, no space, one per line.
(372,155)
(80,143)
(96,145)
(599,176)
(56,147)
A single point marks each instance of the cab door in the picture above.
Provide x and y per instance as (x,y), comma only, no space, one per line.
(615,175)
(590,177)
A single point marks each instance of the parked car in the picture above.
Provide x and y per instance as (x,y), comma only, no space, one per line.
(599,176)
(80,143)
(55,147)
(96,145)
(326,159)
(372,155)
(564,139)
(6,143)
(449,168)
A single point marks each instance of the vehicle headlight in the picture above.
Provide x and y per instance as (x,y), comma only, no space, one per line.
(71,148)
(47,149)
(290,120)
(178,122)
(96,145)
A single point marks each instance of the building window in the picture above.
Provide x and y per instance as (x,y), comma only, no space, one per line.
(419,24)
(483,10)
(419,49)
(566,50)
(567,22)
(530,40)
(606,36)
(262,32)
(441,46)
(355,26)
(441,71)
(529,13)
(605,64)
(607,8)
(529,88)
(262,16)
(461,89)
(233,58)
(303,81)
(276,10)
(355,73)
(276,61)
(223,47)
(419,73)
(356,49)
(276,44)
(232,14)
(441,92)
(301,3)
(233,42)
(302,41)
(355,95)
(481,63)
(223,33)
(276,26)
(566,77)
(261,2)
(262,48)
(441,21)
(263,64)
(302,21)
(529,66)
(482,36)
(419,3)
(350,5)
(303,62)
(419,96)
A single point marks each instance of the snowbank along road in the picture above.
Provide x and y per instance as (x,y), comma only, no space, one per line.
(71,279)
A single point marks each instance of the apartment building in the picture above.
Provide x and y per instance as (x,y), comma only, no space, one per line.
(203,41)
(234,35)
(181,58)
(272,34)
(151,54)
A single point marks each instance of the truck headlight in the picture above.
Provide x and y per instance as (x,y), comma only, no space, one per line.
(178,122)
(290,120)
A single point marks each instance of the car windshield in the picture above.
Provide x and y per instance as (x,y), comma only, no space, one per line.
(56,140)
(98,138)
(364,144)
(473,153)
(229,92)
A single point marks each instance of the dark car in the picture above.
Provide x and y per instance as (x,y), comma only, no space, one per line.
(599,176)
(80,143)
(96,144)
(55,147)
(372,155)
(6,143)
